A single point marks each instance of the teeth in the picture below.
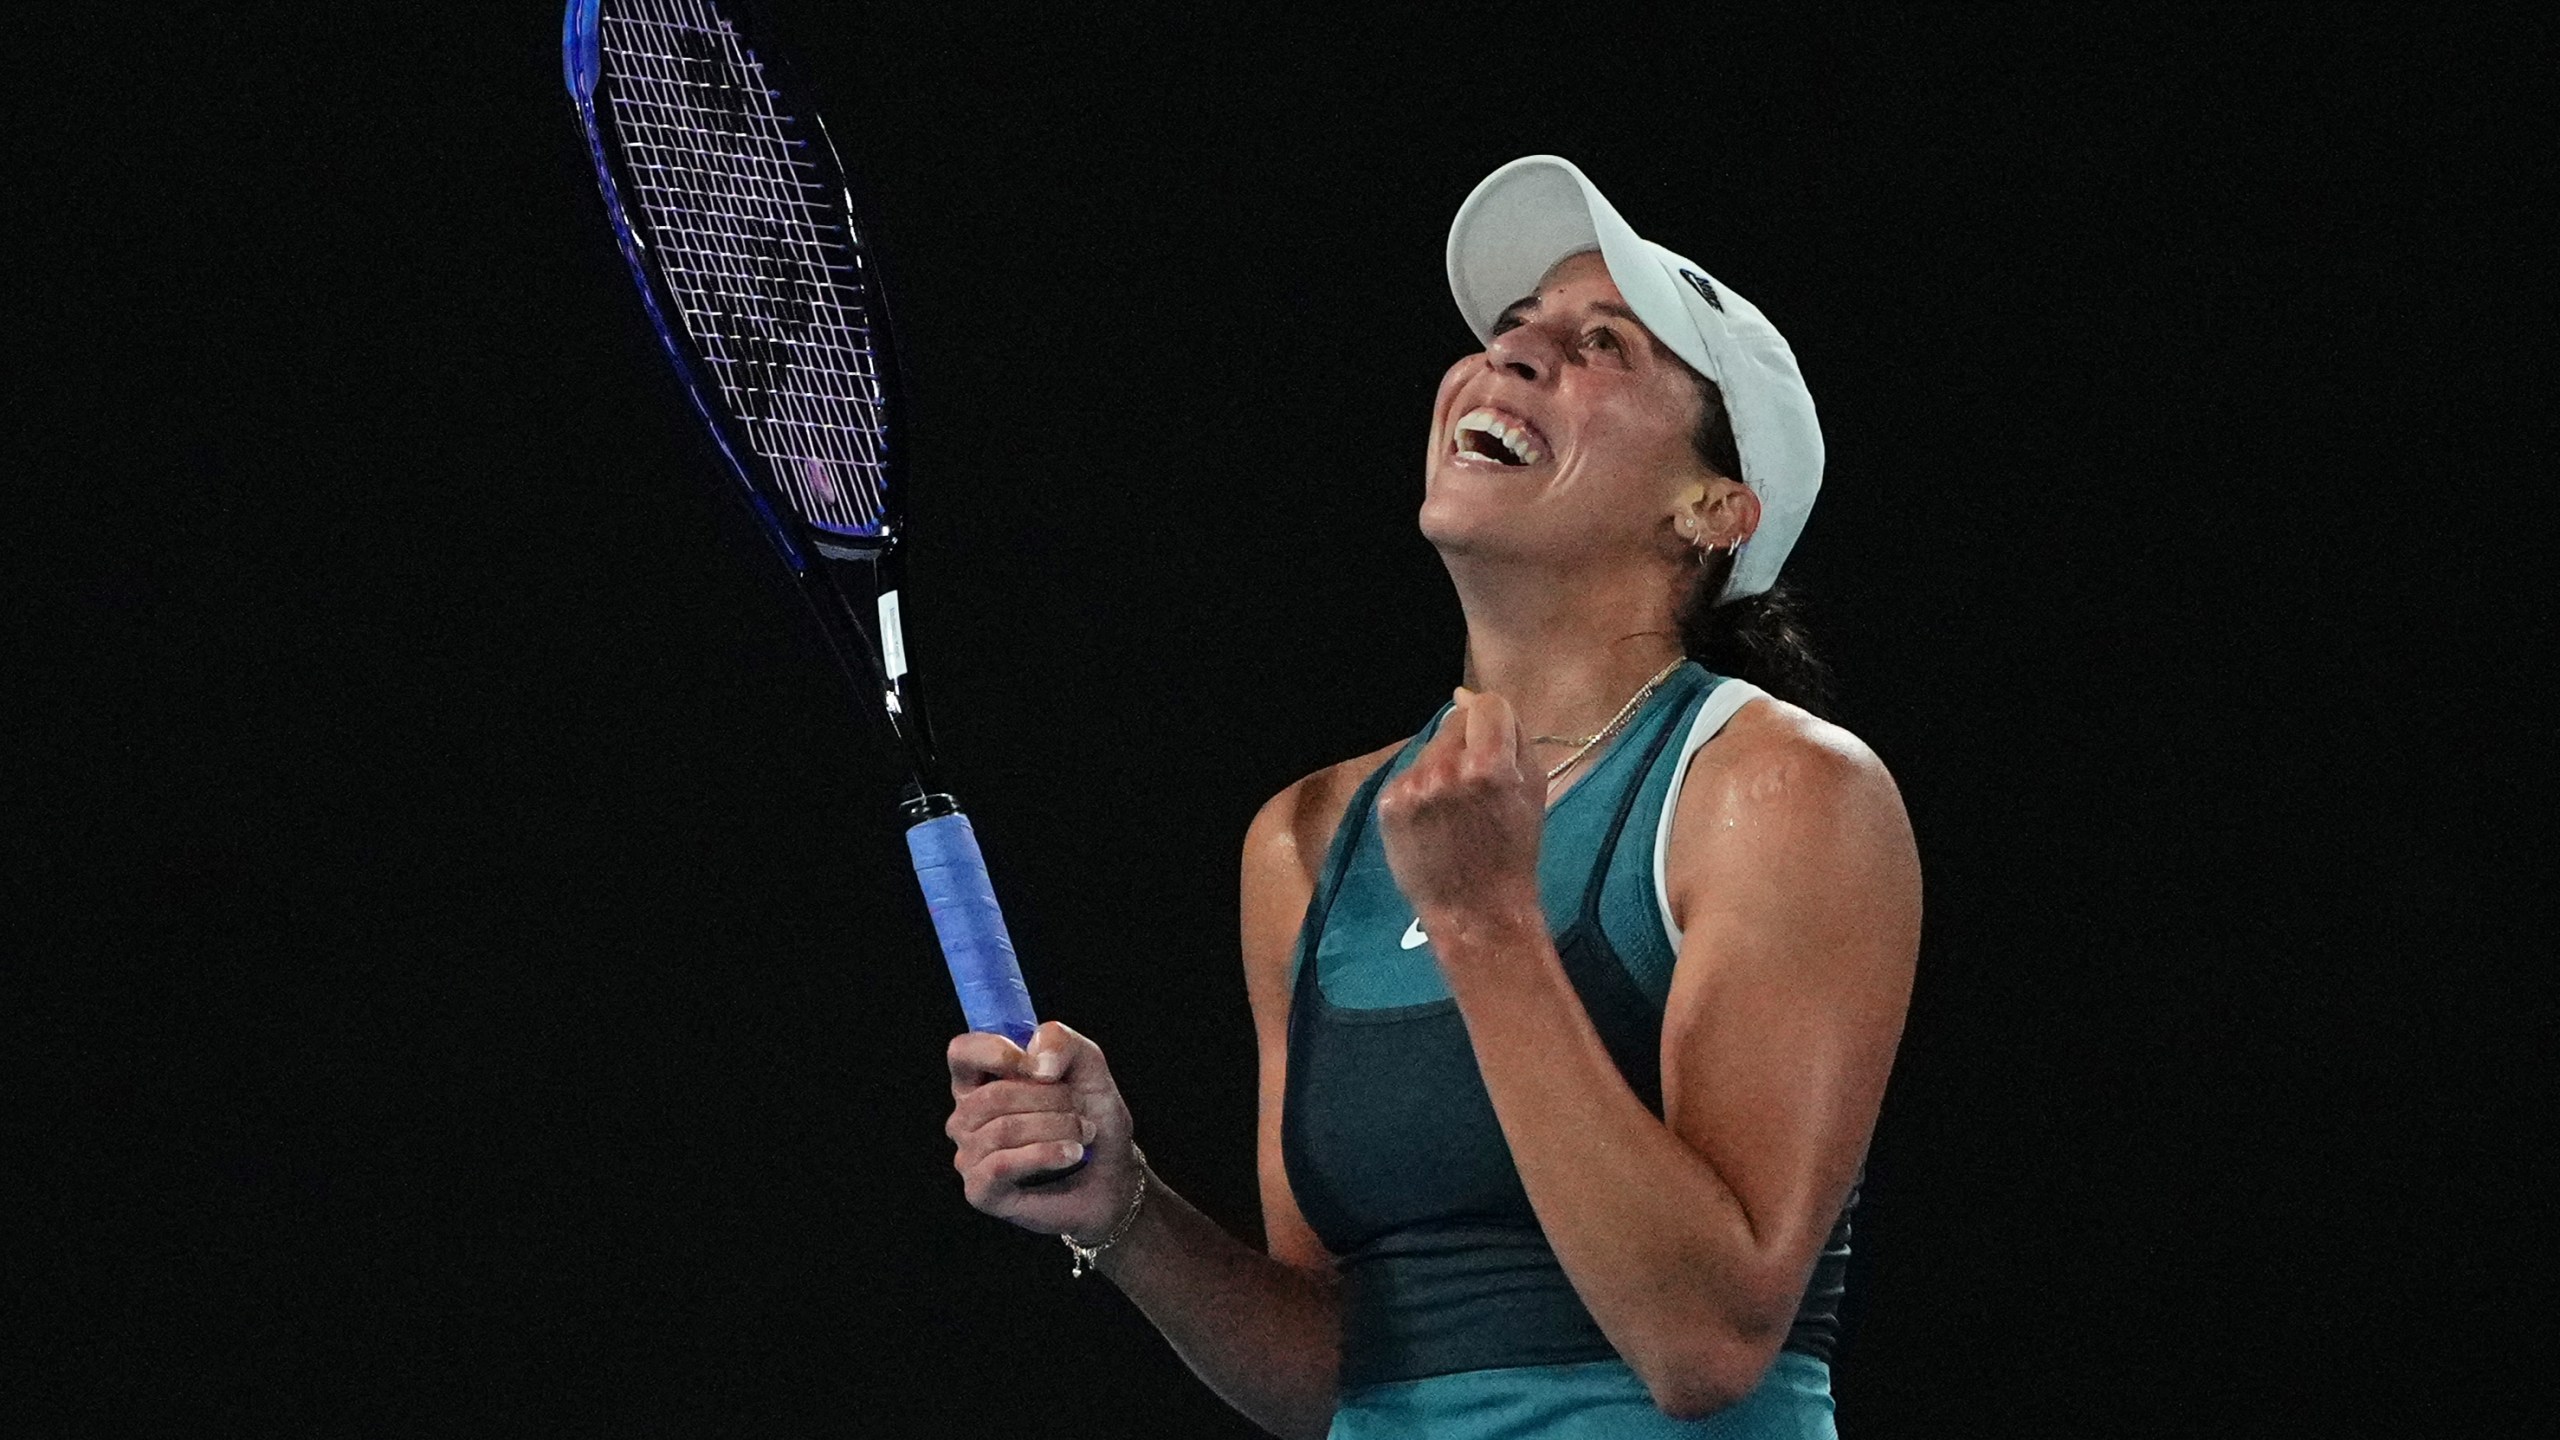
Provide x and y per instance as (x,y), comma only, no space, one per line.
(1513,439)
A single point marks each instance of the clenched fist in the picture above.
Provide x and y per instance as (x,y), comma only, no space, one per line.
(1024,1118)
(1461,826)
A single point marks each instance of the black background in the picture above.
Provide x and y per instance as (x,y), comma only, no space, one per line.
(468,974)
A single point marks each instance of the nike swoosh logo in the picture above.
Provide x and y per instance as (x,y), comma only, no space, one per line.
(1414,939)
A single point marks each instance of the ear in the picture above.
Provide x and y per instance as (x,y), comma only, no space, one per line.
(1729,514)
(1689,512)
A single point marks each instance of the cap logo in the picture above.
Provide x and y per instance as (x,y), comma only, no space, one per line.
(1705,287)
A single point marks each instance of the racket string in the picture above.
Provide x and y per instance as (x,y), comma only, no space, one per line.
(756,201)
(769,284)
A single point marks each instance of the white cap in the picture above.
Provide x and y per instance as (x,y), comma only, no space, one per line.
(1532,213)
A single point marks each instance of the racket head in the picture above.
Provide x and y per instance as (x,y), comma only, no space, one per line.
(757,264)
(756,259)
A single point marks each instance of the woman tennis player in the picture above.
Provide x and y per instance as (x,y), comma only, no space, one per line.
(1575,1011)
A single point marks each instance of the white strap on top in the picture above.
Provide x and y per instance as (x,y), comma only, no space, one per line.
(1730,696)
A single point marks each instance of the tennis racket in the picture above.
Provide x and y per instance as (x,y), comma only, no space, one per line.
(756,263)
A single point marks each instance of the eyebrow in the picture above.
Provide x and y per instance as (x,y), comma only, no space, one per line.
(1528,304)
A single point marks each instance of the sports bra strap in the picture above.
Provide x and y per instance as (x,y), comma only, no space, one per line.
(1589,913)
(1346,843)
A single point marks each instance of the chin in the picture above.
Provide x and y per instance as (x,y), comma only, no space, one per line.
(1455,530)
(1449,525)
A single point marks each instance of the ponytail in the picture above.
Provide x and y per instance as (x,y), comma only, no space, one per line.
(1760,638)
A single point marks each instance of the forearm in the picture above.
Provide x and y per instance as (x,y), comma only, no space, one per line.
(1262,1334)
(1656,1243)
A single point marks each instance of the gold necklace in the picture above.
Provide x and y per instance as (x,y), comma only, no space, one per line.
(1625,712)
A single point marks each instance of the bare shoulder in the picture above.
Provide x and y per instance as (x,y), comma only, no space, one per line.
(1774,760)
(1282,851)
(1289,837)
(1786,808)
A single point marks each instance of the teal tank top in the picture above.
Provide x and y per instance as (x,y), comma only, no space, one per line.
(1451,1295)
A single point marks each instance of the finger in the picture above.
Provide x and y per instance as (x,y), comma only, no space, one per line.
(1009,1132)
(1493,738)
(1442,759)
(1007,1097)
(976,1058)
(1449,743)
(1013,1167)
(1059,1053)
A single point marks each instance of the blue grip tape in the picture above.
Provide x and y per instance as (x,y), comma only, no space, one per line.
(971,927)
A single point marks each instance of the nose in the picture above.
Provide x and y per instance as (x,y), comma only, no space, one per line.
(1524,350)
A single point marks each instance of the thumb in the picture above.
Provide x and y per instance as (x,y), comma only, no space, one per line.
(1493,729)
(1058,1052)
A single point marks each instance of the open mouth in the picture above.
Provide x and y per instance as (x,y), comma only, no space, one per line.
(1488,434)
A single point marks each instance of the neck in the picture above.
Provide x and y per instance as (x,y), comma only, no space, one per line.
(1565,651)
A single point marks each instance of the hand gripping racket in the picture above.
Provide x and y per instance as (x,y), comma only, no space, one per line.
(756,265)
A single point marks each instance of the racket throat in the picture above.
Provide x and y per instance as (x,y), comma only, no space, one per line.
(865,622)
(921,804)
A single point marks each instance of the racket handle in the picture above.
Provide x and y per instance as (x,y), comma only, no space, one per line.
(971,927)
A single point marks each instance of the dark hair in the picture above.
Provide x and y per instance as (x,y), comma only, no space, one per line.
(1762,638)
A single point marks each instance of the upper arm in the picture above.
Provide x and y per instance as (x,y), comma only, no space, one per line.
(1282,852)
(1794,877)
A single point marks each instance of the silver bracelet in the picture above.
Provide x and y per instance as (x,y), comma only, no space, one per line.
(1086,1255)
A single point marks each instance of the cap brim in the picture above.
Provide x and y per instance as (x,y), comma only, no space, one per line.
(1534,212)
